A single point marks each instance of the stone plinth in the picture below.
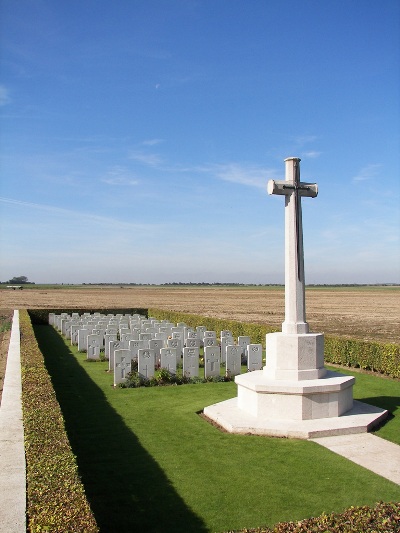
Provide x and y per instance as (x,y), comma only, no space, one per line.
(360,419)
(277,399)
(294,356)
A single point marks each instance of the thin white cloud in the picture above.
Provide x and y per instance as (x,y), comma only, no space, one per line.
(248,175)
(77,215)
(301,140)
(312,154)
(252,176)
(152,160)
(4,95)
(368,172)
(120,176)
(119,180)
(152,142)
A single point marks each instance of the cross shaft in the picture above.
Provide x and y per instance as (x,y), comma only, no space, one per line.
(293,189)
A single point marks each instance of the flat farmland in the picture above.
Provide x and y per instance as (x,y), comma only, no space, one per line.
(370,313)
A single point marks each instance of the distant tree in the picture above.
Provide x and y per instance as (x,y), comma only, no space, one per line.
(19,280)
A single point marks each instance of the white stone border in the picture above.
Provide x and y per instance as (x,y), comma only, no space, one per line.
(12,451)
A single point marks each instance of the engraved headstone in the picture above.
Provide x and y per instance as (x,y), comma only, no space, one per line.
(94,343)
(233,360)
(168,359)
(212,361)
(254,357)
(243,342)
(122,365)
(191,362)
(146,363)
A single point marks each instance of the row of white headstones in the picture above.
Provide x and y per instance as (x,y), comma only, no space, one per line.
(153,344)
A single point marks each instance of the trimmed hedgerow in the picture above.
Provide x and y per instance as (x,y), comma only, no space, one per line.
(383,518)
(375,356)
(368,355)
(56,499)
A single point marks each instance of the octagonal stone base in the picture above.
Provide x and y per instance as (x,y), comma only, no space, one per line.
(361,418)
(299,409)
(294,395)
(295,400)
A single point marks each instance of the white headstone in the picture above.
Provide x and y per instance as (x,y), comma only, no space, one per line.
(177,344)
(225,341)
(156,345)
(112,346)
(233,360)
(192,342)
(94,343)
(100,332)
(146,363)
(145,336)
(64,323)
(210,341)
(254,357)
(243,342)
(108,337)
(200,331)
(135,346)
(191,362)
(212,361)
(122,365)
(82,339)
(74,333)
(168,359)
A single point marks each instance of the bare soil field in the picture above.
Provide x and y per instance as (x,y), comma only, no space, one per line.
(369,313)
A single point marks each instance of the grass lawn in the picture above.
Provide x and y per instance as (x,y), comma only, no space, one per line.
(150,463)
(382,392)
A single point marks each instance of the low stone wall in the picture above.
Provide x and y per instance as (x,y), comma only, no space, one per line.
(12,452)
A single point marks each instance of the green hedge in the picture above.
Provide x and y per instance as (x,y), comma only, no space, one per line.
(379,357)
(383,518)
(375,356)
(56,499)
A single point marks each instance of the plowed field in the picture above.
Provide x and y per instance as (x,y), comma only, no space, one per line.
(371,313)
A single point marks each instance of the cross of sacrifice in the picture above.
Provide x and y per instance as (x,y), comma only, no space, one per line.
(293,189)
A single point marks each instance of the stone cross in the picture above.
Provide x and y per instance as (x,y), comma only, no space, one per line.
(293,189)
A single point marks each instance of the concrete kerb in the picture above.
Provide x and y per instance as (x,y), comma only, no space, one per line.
(12,451)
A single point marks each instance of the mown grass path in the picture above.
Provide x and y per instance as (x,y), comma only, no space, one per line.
(150,463)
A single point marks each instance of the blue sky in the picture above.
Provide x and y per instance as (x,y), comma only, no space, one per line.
(138,137)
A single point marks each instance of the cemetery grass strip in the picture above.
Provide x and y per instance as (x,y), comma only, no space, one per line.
(381,392)
(150,463)
(56,499)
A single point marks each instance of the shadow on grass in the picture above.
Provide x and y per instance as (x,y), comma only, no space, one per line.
(126,488)
(391,403)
